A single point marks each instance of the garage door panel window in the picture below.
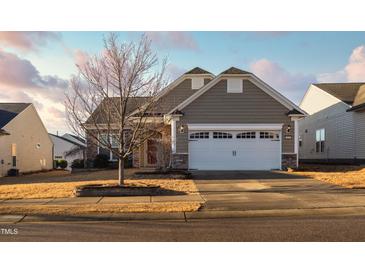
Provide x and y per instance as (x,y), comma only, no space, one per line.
(269,135)
(199,135)
(246,135)
(222,135)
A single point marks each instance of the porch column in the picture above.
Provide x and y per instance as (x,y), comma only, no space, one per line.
(296,139)
(173,135)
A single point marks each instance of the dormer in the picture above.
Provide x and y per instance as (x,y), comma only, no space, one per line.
(199,77)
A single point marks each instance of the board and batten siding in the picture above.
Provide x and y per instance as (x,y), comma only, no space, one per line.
(177,95)
(251,106)
(340,134)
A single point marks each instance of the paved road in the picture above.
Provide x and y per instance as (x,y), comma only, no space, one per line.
(254,229)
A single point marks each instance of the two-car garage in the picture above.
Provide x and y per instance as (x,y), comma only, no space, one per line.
(235,146)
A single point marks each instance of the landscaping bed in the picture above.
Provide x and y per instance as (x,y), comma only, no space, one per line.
(348,176)
(117,191)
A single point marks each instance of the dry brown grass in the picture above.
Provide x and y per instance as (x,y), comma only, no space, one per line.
(60,184)
(77,210)
(346,176)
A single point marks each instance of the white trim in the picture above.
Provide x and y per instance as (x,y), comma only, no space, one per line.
(296,139)
(235,126)
(173,135)
(252,78)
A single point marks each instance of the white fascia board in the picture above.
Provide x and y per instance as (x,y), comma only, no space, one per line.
(235,126)
(250,77)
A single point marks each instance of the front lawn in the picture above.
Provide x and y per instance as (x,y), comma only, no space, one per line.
(60,184)
(346,176)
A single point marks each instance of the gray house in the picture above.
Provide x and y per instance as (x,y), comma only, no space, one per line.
(334,131)
(232,121)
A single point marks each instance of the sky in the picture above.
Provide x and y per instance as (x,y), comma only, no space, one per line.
(36,66)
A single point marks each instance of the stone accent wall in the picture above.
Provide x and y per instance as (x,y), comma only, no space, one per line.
(289,160)
(91,149)
(180,161)
(135,158)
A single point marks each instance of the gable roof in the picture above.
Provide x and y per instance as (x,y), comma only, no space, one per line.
(66,140)
(8,111)
(133,103)
(197,70)
(75,137)
(346,92)
(235,72)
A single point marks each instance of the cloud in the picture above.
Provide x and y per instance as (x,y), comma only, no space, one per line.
(27,40)
(354,71)
(174,72)
(291,85)
(20,81)
(80,57)
(173,40)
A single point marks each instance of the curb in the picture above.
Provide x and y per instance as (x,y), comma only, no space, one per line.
(188,216)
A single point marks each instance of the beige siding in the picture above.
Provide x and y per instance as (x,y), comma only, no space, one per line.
(177,95)
(26,131)
(340,133)
(218,106)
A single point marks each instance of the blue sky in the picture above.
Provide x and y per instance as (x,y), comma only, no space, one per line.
(35,66)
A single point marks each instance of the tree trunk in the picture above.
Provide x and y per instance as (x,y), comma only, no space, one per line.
(121,172)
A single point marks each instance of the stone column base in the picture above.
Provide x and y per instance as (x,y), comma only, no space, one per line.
(180,161)
(289,160)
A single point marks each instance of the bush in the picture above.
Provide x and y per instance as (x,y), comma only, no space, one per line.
(62,164)
(77,163)
(101,161)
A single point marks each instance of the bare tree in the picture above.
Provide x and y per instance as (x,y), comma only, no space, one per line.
(113,98)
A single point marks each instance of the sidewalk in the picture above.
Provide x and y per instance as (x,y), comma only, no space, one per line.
(105,200)
(189,216)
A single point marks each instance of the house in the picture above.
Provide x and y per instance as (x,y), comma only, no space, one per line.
(68,147)
(334,131)
(232,121)
(24,141)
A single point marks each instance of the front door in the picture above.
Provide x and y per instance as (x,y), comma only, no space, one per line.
(151,152)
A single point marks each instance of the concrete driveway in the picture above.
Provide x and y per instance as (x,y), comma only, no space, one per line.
(265,190)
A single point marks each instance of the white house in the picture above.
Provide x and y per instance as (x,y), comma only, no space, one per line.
(24,141)
(334,132)
(66,143)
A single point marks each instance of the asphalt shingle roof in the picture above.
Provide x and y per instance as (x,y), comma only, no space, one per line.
(233,70)
(198,70)
(346,92)
(8,111)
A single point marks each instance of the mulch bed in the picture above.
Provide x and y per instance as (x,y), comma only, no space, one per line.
(120,191)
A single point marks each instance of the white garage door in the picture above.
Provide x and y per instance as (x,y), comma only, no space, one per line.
(234,150)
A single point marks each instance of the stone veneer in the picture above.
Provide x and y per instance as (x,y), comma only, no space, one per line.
(289,160)
(180,161)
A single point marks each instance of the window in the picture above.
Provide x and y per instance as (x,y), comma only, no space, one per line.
(114,141)
(320,139)
(200,135)
(197,82)
(246,135)
(222,135)
(269,135)
(234,85)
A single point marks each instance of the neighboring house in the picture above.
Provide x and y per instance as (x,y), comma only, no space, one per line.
(334,131)
(26,145)
(233,121)
(65,144)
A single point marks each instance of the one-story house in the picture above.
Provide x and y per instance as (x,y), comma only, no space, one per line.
(232,121)
(24,142)
(68,147)
(334,131)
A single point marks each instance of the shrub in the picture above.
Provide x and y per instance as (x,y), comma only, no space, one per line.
(62,164)
(101,161)
(77,163)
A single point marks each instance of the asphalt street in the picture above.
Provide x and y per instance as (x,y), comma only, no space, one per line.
(349,228)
